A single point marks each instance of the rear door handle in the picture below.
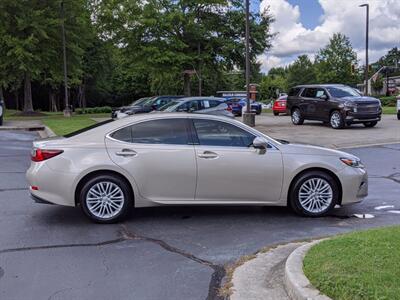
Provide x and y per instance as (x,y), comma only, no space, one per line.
(126,153)
(208,155)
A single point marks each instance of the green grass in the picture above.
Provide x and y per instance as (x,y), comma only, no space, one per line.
(62,126)
(389,110)
(359,265)
(57,122)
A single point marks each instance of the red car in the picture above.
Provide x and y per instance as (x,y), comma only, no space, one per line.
(279,105)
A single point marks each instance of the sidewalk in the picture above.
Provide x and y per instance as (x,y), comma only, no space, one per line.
(29,125)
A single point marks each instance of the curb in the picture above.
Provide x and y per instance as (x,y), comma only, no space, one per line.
(46,133)
(297,285)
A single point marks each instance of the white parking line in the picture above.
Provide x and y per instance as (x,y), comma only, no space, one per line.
(384,207)
(394,211)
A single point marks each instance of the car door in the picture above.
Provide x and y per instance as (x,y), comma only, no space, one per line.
(159,156)
(322,104)
(307,102)
(229,169)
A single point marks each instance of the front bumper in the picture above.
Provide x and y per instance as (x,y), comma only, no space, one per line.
(354,183)
(357,118)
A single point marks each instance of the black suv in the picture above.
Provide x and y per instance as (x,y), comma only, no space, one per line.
(1,111)
(338,104)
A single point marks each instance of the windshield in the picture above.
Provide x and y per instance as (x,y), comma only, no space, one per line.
(139,101)
(345,91)
(171,105)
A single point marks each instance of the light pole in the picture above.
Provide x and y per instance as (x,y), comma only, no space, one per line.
(67,110)
(366,48)
(248,117)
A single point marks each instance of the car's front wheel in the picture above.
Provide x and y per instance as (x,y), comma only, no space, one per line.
(106,198)
(336,120)
(370,124)
(297,118)
(313,194)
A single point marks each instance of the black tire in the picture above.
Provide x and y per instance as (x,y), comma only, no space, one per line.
(297,120)
(276,113)
(118,181)
(336,120)
(370,124)
(398,115)
(298,182)
(1,120)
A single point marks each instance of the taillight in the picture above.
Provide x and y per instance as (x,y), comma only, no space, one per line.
(229,108)
(43,154)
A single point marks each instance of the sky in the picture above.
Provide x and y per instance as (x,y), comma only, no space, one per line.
(305,26)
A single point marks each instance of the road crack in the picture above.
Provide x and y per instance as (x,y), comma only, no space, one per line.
(219,270)
(14,189)
(393,177)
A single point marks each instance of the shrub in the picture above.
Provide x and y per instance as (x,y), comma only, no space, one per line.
(93,110)
(388,101)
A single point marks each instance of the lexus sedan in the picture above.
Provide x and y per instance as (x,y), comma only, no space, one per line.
(188,159)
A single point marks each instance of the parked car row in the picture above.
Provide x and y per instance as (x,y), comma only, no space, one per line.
(228,106)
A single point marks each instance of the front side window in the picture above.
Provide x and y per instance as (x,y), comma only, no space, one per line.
(216,133)
(168,131)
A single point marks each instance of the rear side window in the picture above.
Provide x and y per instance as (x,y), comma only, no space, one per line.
(168,131)
(217,133)
(294,91)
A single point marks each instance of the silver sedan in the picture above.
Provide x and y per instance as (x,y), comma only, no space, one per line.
(189,159)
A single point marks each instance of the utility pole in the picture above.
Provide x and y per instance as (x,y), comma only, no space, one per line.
(67,110)
(248,117)
(366,47)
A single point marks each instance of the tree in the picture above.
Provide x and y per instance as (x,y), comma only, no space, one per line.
(301,71)
(166,38)
(270,84)
(333,63)
(25,31)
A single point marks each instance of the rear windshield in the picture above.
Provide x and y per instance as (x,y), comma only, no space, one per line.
(87,128)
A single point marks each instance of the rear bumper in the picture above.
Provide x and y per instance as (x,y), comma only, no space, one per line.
(280,109)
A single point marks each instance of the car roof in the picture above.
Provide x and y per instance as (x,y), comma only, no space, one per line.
(319,85)
(202,98)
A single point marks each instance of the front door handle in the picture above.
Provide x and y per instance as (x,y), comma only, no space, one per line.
(126,153)
(208,155)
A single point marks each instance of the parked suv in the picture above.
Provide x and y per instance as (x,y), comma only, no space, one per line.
(338,104)
(1,112)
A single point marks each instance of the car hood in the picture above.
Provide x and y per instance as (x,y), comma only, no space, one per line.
(313,150)
(362,100)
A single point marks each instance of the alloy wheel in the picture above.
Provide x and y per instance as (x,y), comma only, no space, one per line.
(335,119)
(105,200)
(296,116)
(315,195)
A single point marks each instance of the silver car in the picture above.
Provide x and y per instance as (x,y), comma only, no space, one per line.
(202,105)
(189,159)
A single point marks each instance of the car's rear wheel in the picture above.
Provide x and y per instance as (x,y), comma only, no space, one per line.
(276,113)
(336,120)
(313,194)
(106,198)
(297,118)
(370,124)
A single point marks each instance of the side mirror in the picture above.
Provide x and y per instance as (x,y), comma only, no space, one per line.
(324,97)
(260,143)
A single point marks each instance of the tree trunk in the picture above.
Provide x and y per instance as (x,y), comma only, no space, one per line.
(52,101)
(186,85)
(28,106)
(16,95)
(81,95)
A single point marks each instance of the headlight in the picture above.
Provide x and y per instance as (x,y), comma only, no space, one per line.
(351,105)
(351,162)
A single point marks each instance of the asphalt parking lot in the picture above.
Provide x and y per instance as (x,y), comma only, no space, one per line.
(52,252)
